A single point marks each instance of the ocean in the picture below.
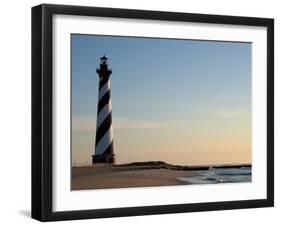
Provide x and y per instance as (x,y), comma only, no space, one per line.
(220,175)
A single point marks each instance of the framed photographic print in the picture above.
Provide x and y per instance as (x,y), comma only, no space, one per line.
(145,112)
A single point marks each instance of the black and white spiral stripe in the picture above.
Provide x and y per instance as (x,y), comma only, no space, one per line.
(104,132)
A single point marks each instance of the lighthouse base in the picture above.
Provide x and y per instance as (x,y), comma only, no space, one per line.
(107,159)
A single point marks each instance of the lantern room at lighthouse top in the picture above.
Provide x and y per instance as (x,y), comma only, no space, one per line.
(103,70)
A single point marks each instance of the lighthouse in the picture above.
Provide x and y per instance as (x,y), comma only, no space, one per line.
(103,152)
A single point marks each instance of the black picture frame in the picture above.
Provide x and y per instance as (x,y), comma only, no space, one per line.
(42,111)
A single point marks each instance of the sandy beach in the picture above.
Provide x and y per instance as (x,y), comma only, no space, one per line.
(101,177)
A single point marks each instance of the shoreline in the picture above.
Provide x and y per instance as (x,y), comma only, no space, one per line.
(137,174)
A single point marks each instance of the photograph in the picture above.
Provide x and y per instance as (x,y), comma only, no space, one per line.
(144,112)
(154,111)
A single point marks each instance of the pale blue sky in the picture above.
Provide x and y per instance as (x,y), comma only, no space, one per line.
(158,85)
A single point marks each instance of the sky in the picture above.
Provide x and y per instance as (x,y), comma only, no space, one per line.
(184,102)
